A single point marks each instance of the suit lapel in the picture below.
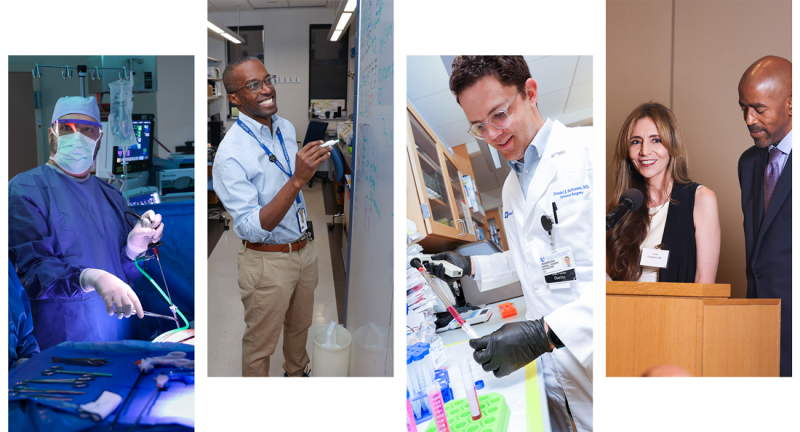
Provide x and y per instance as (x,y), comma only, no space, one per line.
(758,191)
(782,190)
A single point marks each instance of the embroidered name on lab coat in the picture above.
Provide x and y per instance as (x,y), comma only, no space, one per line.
(566,193)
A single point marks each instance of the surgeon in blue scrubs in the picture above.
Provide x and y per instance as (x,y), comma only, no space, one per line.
(21,343)
(68,238)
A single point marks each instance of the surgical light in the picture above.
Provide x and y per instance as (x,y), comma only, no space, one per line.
(343,21)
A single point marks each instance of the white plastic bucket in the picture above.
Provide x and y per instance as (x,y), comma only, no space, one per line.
(330,362)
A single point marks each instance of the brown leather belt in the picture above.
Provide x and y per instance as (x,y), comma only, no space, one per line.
(285,248)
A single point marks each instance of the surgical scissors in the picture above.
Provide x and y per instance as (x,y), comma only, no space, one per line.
(80,382)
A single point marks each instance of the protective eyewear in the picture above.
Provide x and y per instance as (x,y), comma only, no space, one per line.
(255,87)
(501,119)
(88,128)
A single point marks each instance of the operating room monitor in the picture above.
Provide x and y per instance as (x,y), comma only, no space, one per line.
(139,156)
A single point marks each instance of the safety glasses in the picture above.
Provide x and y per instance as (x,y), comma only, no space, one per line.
(88,128)
(255,87)
(501,119)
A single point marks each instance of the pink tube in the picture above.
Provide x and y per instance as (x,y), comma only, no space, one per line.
(410,424)
(437,408)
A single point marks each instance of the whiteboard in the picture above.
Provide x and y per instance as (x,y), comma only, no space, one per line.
(368,306)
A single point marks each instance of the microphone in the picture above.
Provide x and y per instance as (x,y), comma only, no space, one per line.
(630,201)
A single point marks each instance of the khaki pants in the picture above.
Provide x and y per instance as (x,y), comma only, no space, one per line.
(277,291)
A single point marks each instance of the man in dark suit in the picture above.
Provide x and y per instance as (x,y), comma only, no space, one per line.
(765,176)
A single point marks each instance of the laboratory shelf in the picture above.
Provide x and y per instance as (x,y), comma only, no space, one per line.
(494,415)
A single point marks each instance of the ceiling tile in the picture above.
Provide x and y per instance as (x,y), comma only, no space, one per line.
(426,76)
(262,4)
(531,59)
(454,134)
(553,73)
(439,109)
(584,72)
(552,104)
(580,96)
(228,5)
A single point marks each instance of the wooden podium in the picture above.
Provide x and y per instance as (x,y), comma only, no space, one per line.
(694,326)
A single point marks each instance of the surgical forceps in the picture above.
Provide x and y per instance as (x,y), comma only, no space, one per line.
(80,361)
(23,388)
(80,382)
(155,315)
(60,370)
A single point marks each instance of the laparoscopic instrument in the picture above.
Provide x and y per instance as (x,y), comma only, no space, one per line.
(167,297)
(417,263)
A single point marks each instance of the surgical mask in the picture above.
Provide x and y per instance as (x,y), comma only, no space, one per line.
(75,152)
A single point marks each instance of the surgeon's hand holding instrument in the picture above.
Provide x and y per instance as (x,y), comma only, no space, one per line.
(150,219)
(146,232)
(114,292)
(450,308)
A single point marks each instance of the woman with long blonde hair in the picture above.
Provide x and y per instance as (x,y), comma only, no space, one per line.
(680,219)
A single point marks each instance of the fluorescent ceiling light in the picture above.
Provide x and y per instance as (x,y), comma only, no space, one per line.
(336,35)
(351,5)
(229,37)
(343,21)
(495,157)
(215,28)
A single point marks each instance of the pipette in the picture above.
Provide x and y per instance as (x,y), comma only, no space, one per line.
(464,325)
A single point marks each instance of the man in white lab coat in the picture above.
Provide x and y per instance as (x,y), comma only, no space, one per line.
(547,203)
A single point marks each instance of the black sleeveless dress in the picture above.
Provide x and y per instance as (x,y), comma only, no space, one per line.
(679,236)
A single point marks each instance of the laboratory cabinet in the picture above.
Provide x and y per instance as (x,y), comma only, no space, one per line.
(442,198)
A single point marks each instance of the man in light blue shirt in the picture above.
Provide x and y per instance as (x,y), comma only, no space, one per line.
(258,175)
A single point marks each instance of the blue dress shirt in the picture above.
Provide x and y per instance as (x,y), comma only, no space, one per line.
(245,180)
(533,154)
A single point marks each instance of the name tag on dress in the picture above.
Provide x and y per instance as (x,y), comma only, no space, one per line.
(654,258)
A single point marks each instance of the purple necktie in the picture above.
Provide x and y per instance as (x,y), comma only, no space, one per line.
(771,175)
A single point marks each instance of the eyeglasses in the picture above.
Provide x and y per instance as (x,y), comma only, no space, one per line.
(86,127)
(255,87)
(501,119)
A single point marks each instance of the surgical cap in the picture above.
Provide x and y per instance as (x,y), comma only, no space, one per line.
(76,105)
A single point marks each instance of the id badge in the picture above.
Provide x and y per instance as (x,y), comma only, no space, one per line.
(301,220)
(558,267)
(654,258)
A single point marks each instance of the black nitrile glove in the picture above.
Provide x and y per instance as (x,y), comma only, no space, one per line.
(511,347)
(458,260)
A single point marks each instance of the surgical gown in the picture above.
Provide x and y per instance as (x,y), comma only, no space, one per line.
(57,227)
(21,343)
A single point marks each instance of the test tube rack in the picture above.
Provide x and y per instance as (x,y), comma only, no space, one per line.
(493,407)
(447,395)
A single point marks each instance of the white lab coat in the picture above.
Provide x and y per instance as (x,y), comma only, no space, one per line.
(565,164)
